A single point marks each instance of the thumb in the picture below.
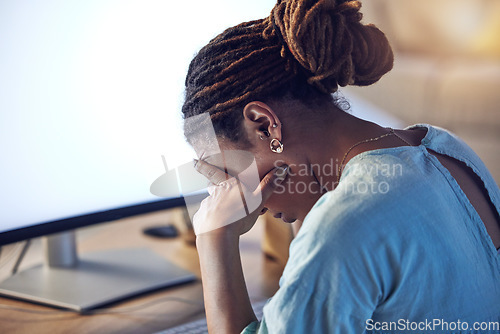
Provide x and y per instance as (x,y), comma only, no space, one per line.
(272,180)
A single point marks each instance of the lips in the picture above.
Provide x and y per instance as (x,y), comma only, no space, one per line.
(279,215)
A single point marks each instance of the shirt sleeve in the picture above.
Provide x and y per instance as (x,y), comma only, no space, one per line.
(252,328)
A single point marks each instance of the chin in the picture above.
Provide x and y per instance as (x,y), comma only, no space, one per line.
(288,220)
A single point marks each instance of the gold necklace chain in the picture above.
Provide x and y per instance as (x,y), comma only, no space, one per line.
(400,137)
(391,132)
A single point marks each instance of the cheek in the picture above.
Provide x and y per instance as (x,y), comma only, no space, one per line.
(301,185)
(278,201)
(284,198)
(296,195)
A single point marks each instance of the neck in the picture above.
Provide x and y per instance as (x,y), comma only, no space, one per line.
(334,133)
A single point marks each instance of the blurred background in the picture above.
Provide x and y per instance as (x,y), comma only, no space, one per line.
(446,70)
(113,71)
(123,63)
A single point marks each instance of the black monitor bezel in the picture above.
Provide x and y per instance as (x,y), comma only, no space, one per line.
(56,226)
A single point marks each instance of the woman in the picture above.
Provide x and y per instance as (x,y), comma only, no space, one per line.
(400,227)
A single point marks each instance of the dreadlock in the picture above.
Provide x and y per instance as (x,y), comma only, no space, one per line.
(305,49)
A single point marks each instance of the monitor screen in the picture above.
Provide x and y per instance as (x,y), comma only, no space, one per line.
(90,97)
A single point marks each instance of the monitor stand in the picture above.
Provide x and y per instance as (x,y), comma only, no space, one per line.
(95,279)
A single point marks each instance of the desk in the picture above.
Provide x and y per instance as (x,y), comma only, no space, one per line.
(261,274)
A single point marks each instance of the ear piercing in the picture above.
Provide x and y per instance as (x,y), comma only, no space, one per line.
(266,133)
(276,146)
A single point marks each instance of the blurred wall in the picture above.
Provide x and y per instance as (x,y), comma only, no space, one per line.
(447,68)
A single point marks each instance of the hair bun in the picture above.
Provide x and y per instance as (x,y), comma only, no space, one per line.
(328,40)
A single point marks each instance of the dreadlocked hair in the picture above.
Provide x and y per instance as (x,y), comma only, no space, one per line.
(305,50)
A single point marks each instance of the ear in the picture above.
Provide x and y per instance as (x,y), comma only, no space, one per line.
(260,122)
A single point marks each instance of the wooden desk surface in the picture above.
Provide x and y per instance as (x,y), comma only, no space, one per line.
(159,312)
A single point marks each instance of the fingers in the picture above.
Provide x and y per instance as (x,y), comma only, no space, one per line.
(271,181)
(222,208)
(212,173)
(232,202)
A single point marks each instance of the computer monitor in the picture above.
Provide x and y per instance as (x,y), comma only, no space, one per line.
(90,96)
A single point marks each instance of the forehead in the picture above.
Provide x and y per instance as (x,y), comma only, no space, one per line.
(209,146)
(206,149)
(216,150)
(226,157)
(200,132)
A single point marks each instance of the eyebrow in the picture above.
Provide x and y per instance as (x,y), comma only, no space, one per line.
(205,159)
(223,168)
(202,157)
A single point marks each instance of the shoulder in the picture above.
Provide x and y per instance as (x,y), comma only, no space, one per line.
(378,187)
(355,236)
(379,207)
(446,142)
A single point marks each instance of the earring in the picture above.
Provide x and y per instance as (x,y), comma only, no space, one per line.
(276,146)
(275,125)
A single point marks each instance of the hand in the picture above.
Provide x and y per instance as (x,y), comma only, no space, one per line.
(234,204)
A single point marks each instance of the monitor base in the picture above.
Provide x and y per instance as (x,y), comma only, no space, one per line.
(98,278)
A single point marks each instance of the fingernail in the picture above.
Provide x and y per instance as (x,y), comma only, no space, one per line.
(281,172)
(195,162)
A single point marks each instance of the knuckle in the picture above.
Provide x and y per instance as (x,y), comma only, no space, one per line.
(210,172)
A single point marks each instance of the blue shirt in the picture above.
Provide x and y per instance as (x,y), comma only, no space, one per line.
(396,246)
